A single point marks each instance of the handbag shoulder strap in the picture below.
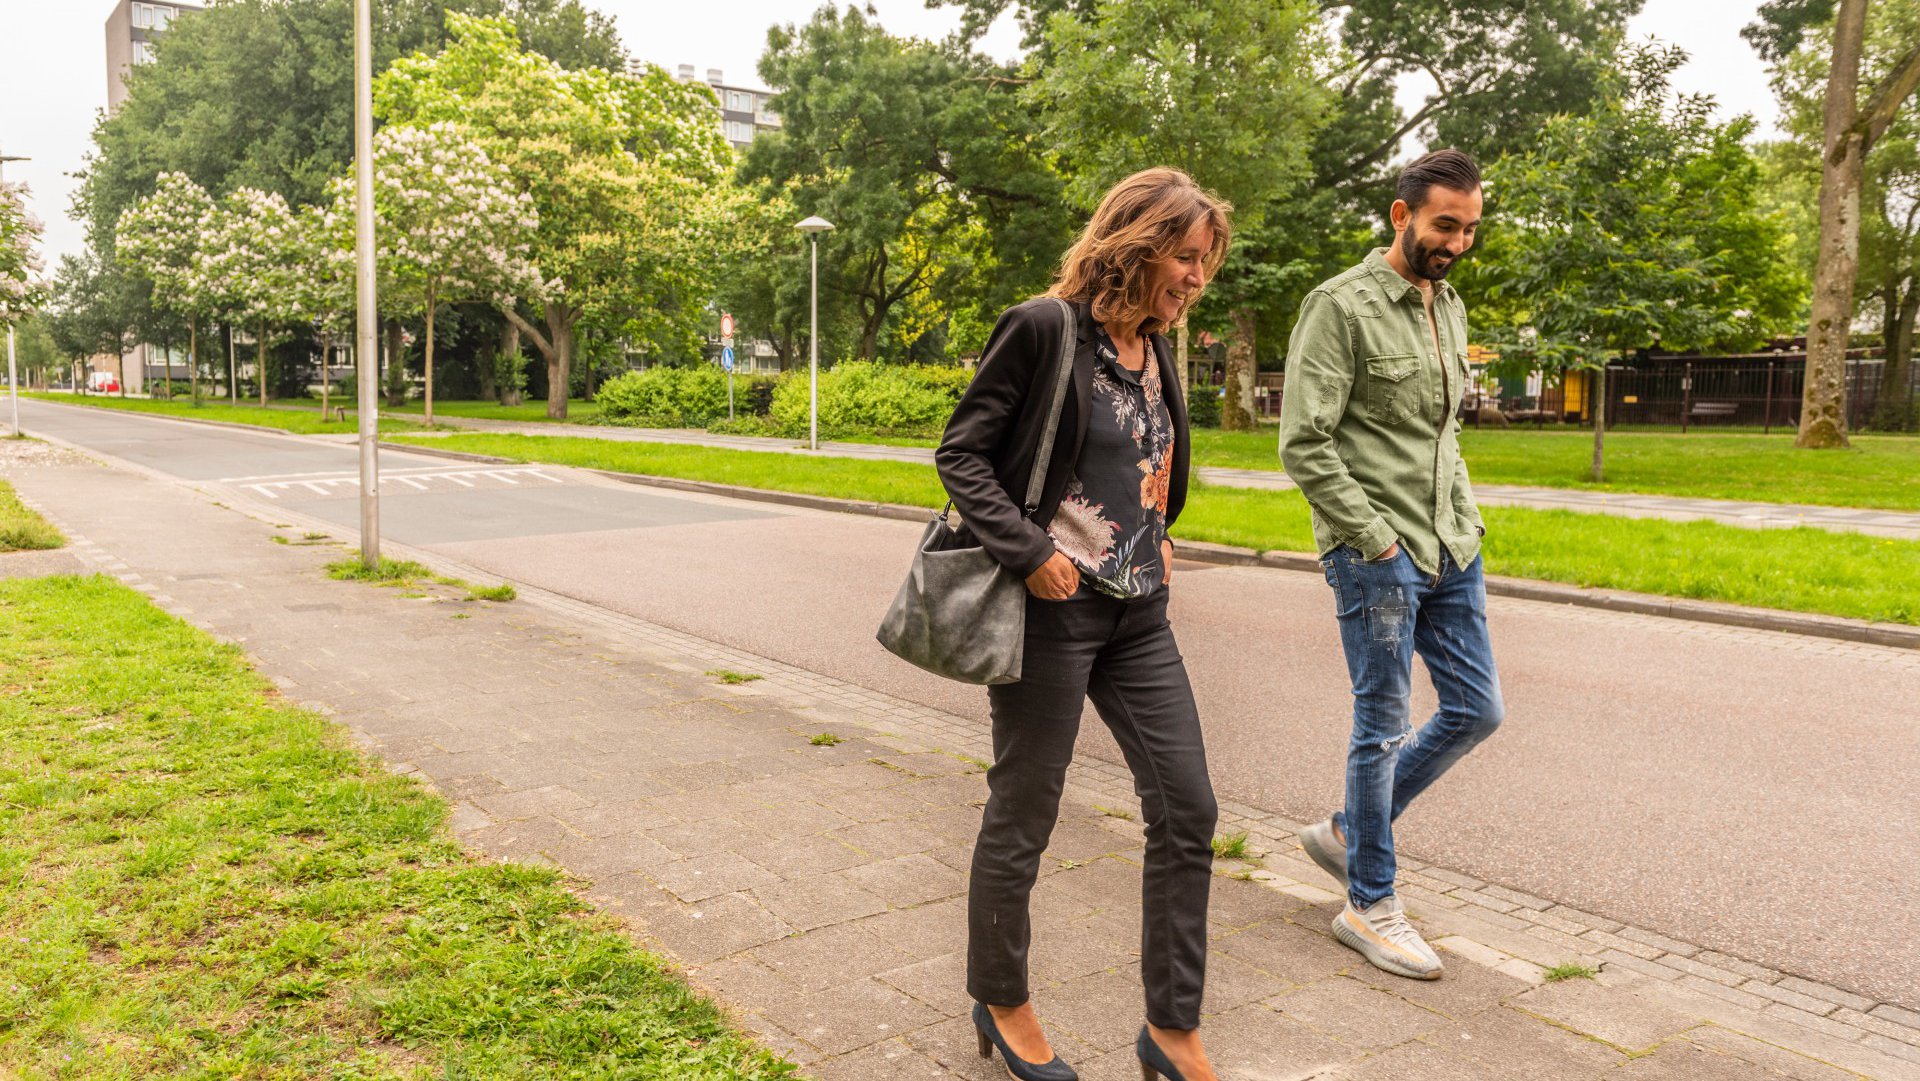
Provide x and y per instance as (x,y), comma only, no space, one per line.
(1063,374)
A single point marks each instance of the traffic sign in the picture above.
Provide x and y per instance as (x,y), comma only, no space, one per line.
(726,357)
(726,341)
(726,324)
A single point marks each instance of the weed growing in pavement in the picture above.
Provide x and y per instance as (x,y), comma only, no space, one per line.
(1569,970)
(408,575)
(826,739)
(729,676)
(278,539)
(1230,846)
(1115,812)
(198,879)
(388,572)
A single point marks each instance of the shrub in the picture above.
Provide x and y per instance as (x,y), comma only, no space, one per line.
(679,397)
(885,399)
(1203,407)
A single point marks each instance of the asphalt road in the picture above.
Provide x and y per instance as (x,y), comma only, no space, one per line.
(1745,791)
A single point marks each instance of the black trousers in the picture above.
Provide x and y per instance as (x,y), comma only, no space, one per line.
(1122,655)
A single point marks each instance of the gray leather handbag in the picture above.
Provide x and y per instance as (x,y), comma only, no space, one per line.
(960,614)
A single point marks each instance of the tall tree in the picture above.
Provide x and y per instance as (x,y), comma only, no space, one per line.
(162,238)
(1228,90)
(1855,114)
(619,168)
(1630,227)
(251,257)
(20,264)
(258,93)
(453,224)
(922,155)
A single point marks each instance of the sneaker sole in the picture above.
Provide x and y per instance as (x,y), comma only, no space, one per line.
(1325,860)
(1379,959)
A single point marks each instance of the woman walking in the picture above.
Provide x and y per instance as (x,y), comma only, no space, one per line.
(1097,564)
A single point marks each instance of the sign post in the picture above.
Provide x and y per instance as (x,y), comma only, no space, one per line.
(726,362)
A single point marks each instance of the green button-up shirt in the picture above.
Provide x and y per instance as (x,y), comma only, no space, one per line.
(1368,426)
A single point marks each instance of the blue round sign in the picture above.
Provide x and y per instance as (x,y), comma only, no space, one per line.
(726,357)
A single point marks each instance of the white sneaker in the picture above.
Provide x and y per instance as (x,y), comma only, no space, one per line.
(1383,936)
(1325,848)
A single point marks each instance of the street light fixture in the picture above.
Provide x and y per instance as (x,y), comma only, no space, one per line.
(13,380)
(813,227)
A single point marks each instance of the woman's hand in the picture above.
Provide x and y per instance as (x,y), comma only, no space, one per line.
(1166,561)
(1056,580)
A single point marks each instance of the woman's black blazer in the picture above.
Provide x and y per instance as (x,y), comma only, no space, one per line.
(986,455)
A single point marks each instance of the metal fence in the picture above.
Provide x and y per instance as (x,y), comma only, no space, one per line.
(1753,395)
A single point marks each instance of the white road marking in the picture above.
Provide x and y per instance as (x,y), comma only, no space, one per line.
(420,480)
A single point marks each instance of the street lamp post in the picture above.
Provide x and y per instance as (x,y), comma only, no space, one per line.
(813,227)
(365,344)
(13,379)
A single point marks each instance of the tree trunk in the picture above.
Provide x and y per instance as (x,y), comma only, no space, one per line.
(396,365)
(511,390)
(260,364)
(428,400)
(326,384)
(1893,410)
(1180,360)
(559,361)
(193,356)
(1236,409)
(233,370)
(1823,405)
(1597,405)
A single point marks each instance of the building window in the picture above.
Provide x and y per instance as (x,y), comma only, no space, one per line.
(739,101)
(142,52)
(152,16)
(739,132)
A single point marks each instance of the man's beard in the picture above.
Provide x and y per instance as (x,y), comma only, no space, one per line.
(1420,258)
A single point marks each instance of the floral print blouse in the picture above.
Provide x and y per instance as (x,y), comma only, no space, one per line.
(1114,513)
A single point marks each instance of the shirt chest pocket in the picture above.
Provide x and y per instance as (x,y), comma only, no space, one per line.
(1396,387)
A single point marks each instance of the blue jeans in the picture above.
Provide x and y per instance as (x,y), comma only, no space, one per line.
(1388,610)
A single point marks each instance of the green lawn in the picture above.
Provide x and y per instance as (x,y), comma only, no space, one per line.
(21,529)
(1880,471)
(579,411)
(305,421)
(198,880)
(1801,570)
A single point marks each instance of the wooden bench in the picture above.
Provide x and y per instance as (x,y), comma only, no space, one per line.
(1713,409)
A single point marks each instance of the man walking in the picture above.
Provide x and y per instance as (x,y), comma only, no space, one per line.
(1368,430)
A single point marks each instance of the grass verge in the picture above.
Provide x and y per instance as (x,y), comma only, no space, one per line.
(21,529)
(299,421)
(199,880)
(408,575)
(1802,570)
(1879,471)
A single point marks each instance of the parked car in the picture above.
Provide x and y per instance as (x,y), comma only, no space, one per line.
(103,383)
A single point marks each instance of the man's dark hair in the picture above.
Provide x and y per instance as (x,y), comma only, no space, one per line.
(1447,168)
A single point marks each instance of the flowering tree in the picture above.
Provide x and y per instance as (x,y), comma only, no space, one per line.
(453,225)
(21,290)
(323,293)
(620,168)
(252,262)
(163,237)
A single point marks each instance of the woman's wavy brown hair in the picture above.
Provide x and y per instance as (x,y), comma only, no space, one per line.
(1142,218)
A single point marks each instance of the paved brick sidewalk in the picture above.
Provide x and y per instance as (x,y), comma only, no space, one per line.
(818,889)
(1754,515)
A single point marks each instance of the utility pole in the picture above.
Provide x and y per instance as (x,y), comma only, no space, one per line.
(366,351)
(13,379)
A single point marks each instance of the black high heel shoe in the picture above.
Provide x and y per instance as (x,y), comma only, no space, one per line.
(1154,1063)
(1018,1068)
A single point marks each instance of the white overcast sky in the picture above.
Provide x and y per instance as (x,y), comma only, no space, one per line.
(53,67)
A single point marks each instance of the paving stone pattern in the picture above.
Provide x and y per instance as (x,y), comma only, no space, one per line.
(819,890)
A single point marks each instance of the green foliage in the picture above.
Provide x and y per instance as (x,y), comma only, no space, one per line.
(386,571)
(1203,407)
(1630,227)
(198,880)
(927,162)
(880,398)
(259,92)
(677,397)
(1230,846)
(1569,970)
(21,529)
